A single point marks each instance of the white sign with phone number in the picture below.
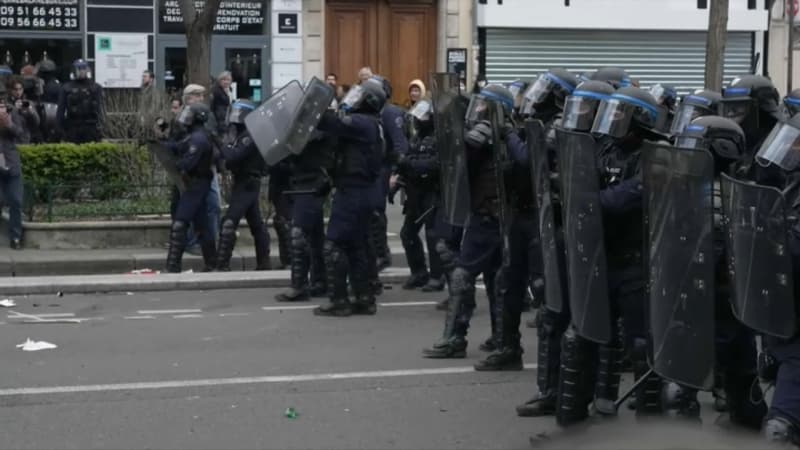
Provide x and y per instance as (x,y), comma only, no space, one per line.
(120,59)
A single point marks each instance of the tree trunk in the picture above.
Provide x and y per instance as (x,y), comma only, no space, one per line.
(715,44)
(199,27)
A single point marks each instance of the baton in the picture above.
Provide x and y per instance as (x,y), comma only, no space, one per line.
(424,215)
(633,388)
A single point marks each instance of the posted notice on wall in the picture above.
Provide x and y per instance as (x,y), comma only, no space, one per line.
(120,59)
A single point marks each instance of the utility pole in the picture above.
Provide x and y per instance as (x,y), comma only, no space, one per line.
(715,43)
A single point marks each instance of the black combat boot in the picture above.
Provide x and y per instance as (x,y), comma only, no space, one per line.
(177,244)
(509,358)
(336,308)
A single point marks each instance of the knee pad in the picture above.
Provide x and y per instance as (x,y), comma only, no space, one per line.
(461,281)
(298,237)
(179,227)
(228,227)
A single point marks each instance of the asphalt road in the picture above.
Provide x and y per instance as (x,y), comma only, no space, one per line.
(219,370)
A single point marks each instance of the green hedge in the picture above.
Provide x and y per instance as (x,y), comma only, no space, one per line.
(104,169)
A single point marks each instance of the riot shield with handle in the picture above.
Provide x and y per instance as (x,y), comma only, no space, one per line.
(679,249)
(169,161)
(316,100)
(270,124)
(758,257)
(501,164)
(449,111)
(583,235)
(552,249)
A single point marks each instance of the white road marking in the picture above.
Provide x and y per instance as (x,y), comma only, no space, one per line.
(234,314)
(390,304)
(188,316)
(146,312)
(138,317)
(288,307)
(174,384)
(53,316)
(31,318)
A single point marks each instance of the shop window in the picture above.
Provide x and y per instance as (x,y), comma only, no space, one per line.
(17,53)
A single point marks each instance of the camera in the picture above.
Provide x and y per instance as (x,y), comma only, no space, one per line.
(26,104)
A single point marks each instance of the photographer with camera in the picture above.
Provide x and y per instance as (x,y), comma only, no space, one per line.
(27,109)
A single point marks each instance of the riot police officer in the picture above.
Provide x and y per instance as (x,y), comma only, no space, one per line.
(615,76)
(782,425)
(48,106)
(358,164)
(753,102)
(195,162)
(628,117)
(311,180)
(80,107)
(482,246)
(419,170)
(579,110)
(244,161)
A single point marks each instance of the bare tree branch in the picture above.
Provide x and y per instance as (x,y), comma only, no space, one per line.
(715,44)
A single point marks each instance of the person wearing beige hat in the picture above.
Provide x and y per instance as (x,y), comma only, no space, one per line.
(416,92)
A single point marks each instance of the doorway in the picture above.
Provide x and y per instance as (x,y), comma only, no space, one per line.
(396,38)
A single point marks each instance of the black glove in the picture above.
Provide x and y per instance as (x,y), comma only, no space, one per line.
(480,135)
(507,128)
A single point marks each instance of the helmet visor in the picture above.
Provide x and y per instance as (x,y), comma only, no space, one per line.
(353,98)
(613,118)
(421,111)
(579,113)
(685,115)
(237,112)
(736,109)
(537,93)
(782,147)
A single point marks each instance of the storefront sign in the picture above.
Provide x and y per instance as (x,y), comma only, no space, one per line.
(120,59)
(233,17)
(61,15)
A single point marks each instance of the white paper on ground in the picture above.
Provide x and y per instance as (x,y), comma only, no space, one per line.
(32,346)
(7,303)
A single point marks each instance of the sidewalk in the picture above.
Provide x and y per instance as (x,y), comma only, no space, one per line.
(87,271)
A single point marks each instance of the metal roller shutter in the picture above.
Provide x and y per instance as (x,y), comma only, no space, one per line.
(671,57)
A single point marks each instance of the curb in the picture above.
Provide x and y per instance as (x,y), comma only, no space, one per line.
(90,284)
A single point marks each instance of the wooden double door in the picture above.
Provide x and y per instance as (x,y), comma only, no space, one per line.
(396,38)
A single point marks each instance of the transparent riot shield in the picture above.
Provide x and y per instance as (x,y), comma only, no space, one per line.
(168,161)
(678,217)
(759,261)
(583,236)
(271,123)
(552,249)
(316,100)
(449,110)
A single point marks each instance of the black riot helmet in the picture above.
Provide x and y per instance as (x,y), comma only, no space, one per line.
(581,106)
(367,97)
(701,103)
(723,137)
(615,76)
(478,109)
(629,109)
(792,103)
(782,146)
(547,94)
(46,68)
(752,102)
(81,70)
(194,114)
(238,111)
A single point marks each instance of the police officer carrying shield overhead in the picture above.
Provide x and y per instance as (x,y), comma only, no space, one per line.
(244,161)
(195,161)
(80,107)
(482,244)
(358,164)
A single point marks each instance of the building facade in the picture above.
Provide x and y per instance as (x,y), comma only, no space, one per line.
(657,41)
